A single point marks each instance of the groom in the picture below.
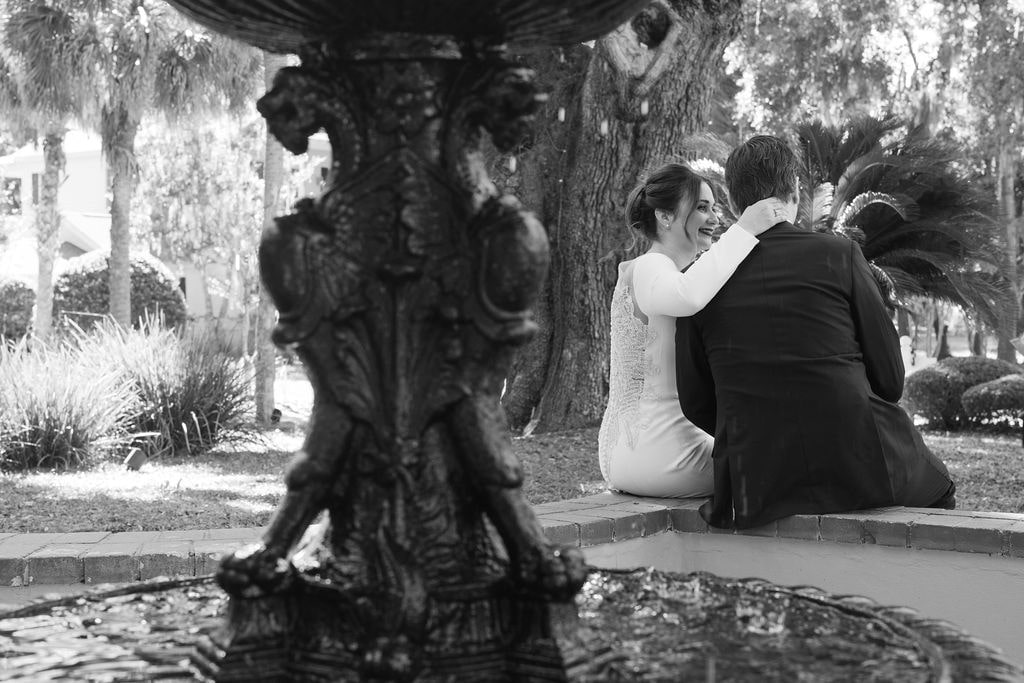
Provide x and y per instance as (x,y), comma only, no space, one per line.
(795,367)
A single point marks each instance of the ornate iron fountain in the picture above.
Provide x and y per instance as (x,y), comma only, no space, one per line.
(404,288)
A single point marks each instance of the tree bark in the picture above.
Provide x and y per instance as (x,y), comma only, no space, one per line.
(48,231)
(943,351)
(645,88)
(902,322)
(119,131)
(1006,173)
(266,314)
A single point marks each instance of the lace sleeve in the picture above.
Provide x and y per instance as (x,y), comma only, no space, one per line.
(660,289)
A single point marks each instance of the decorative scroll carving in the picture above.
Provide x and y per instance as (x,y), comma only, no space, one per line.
(404,289)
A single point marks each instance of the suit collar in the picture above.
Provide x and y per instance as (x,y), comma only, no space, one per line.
(780,229)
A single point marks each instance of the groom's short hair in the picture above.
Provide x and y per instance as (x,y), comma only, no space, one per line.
(763,166)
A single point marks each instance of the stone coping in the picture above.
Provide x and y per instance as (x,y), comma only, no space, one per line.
(609,517)
(100,557)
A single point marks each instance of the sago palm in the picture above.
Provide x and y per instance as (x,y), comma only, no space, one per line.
(925,225)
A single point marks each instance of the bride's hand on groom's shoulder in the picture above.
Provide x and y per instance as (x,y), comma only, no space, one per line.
(762,215)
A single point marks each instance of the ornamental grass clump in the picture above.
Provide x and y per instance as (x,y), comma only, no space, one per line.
(61,407)
(191,394)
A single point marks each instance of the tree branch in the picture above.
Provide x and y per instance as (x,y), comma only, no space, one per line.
(630,59)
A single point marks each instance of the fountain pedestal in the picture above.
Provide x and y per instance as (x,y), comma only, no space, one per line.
(404,289)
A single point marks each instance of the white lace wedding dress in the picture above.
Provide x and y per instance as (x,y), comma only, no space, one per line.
(646,446)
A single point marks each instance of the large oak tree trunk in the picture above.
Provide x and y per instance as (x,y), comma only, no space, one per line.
(119,131)
(645,88)
(48,231)
(266,314)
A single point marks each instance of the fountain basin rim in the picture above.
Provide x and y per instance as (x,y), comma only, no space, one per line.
(288,27)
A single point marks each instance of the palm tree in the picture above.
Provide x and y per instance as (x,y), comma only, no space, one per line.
(266,316)
(155,60)
(44,77)
(121,60)
(926,226)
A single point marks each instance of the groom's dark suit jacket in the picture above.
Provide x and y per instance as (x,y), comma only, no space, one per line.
(795,368)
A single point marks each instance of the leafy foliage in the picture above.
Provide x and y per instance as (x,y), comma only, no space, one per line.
(901,194)
(60,406)
(998,404)
(16,299)
(191,394)
(200,200)
(935,393)
(82,288)
(804,59)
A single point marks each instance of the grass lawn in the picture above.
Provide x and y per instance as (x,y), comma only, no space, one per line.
(234,489)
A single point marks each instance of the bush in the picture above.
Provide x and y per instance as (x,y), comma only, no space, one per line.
(60,407)
(82,287)
(935,392)
(192,395)
(998,404)
(16,302)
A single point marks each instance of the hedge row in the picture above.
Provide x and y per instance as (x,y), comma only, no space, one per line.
(81,294)
(972,392)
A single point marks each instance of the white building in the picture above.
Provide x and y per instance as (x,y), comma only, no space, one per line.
(84,205)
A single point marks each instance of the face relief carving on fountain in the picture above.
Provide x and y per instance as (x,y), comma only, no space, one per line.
(405,289)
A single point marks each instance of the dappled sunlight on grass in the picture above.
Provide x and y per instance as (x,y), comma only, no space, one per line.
(220,489)
(155,481)
(988,469)
(254,506)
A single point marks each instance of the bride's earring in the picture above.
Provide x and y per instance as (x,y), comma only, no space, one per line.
(663,221)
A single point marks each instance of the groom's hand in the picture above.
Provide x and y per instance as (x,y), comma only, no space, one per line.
(762,215)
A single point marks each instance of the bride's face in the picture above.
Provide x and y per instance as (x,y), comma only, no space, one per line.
(699,226)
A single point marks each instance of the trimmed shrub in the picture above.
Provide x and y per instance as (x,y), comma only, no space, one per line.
(82,291)
(998,404)
(935,392)
(16,302)
(60,407)
(191,394)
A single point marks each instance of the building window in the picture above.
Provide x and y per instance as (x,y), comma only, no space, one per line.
(10,200)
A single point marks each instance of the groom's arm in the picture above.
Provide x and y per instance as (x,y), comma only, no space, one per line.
(693,376)
(879,343)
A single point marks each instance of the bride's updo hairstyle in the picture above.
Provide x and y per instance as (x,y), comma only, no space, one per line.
(664,190)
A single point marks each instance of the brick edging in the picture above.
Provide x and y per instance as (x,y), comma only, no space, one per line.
(100,557)
(609,517)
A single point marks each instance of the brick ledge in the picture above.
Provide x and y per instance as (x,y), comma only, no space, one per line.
(97,557)
(609,517)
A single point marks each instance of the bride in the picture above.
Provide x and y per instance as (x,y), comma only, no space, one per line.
(646,446)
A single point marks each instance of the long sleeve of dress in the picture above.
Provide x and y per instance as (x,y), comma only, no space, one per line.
(660,288)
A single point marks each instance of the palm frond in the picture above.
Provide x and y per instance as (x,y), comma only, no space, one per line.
(905,207)
(906,284)
(861,175)
(38,37)
(815,209)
